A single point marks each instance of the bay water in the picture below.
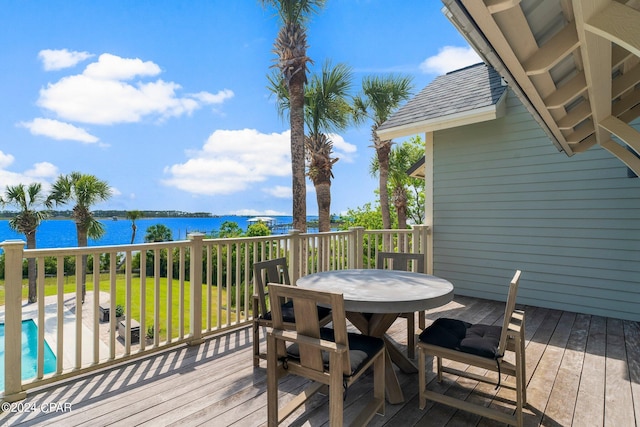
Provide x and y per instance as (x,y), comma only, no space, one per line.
(61,233)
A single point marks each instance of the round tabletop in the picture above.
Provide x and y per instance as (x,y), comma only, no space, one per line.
(382,291)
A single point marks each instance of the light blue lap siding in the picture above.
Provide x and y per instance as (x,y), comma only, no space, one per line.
(506,199)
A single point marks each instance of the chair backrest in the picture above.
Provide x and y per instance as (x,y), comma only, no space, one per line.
(305,303)
(271,271)
(508,312)
(400,261)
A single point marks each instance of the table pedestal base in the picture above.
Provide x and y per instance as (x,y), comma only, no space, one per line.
(376,326)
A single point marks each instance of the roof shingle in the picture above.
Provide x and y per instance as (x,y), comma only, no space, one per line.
(458,91)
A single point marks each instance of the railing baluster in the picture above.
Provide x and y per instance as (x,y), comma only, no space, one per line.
(209,289)
(60,273)
(96,307)
(79,281)
(157,261)
(181,293)
(113,265)
(169,295)
(41,320)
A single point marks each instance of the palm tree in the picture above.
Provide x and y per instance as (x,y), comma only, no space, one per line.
(158,233)
(85,190)
(379,98)
(401,158)
(133,215)
(28,199)
(326,110)
(291,48)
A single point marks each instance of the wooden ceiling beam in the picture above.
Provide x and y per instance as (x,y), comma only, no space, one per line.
(630,115)
(496,6)
(596,54)
(630,100)
(627,157)
(623,131)
(625,82)
(567,92)
(619,24)
(580,134)
(584,145)
(575,116)
(553,51)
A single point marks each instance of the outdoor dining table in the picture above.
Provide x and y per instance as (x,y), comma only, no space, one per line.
(373,300)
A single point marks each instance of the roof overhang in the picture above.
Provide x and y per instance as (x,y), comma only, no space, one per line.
(477,115)
(575,65)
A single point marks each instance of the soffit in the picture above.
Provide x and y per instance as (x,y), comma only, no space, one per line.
(575,64)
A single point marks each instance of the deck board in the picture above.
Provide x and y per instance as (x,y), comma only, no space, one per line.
(582,370)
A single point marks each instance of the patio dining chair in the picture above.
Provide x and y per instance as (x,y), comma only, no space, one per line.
(327,356)
(272,271)
(478,345)
(403,262)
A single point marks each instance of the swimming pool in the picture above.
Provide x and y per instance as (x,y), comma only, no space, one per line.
(29,352)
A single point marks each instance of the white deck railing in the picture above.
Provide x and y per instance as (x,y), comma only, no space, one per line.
(155,283)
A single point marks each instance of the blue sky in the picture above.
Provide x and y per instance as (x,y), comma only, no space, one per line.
(167,100)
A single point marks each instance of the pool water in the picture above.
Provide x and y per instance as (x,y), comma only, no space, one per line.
(29,352)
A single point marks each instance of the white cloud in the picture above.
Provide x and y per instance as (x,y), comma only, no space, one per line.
(43,172)
(6,160)
(279,191)
(342,149)
(230,161)
(112,67)
(58,130)
(210,98)
(115,191)
(449,58)
(112,90)
(61,58)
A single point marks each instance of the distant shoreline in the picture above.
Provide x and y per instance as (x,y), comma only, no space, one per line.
(122,214)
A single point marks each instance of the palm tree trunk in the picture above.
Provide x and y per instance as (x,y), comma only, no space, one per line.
(31,268)
(83,242)
(383,148)
(323,196)
(296,94)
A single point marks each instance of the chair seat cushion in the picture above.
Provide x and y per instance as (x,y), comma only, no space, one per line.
(481,340)
(289,316)
(361,349)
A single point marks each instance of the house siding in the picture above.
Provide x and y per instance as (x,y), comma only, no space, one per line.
(506,199)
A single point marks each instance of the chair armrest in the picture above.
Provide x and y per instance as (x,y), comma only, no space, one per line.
(293,336)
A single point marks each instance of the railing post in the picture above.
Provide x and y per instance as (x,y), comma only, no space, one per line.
(425,245)
(13,390)
(295,257)
(356,243)
(195,268)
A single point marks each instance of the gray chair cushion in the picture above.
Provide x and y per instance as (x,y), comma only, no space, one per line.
(361,349)
(288,314)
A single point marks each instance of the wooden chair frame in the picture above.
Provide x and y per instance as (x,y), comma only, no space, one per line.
(311,364)
(270,271)
(511,339)
(402,261)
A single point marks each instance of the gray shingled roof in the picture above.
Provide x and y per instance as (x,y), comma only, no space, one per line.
(458,91)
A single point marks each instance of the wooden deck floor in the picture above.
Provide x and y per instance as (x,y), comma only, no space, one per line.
(582,370)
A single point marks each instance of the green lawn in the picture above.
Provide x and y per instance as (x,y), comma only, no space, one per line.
(70,287)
